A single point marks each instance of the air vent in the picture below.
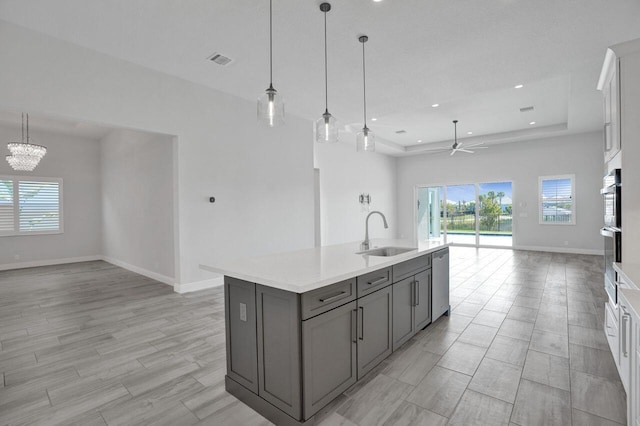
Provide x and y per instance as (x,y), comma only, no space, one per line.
(220,59)
(526,109)
(399,132)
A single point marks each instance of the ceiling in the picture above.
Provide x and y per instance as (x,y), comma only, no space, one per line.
(59,126)
(467,56)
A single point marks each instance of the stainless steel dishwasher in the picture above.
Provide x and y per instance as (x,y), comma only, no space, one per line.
(440,284)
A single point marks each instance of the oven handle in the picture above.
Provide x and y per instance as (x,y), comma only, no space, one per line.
(608,190)
(605,232)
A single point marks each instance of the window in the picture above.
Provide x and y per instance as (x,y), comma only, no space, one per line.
(30,205)
(557,200)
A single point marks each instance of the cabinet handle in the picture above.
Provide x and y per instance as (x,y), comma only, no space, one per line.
(361,337)
(354,322)
(413,293)
(332,297)
(625,353)
(417,284)
(377,281)
(607,140)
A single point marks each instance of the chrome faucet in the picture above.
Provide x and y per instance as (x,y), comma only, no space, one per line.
(365,243)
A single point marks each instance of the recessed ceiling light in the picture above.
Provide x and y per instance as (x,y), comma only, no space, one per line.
(374,119)
(532,123)
(377,1)
(519,86)
(469,133)
(419,140)
(435,105)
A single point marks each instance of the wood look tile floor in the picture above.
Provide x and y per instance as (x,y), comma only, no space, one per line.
(93,344)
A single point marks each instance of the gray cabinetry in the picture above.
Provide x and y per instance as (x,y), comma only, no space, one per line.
(374,329)
(422,299)
(278,328)
(411,299)
(329,353)
(290,354)
(242,345)
(440,283)
(403,328)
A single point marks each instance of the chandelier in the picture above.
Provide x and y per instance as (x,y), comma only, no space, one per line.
(25,156)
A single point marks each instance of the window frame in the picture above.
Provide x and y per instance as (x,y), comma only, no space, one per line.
(16,179)
(572,178)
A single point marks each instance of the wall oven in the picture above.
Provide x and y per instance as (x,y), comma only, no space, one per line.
(612,232)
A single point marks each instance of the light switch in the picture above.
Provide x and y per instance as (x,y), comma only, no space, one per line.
(243,312)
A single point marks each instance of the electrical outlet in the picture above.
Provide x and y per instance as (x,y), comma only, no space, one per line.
(243,312)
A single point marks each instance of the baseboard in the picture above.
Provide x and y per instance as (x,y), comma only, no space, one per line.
(568,250)
(48,262)
(138,270)
(198,285)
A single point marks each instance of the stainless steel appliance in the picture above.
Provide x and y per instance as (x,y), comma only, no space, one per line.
(612,191)
(612,232)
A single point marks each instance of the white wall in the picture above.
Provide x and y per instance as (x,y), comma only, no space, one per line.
(344,175)
(77,162)
(262,178)
(522,163)
(137,202)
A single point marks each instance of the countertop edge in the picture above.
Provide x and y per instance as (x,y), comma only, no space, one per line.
(313,285)
(630,273)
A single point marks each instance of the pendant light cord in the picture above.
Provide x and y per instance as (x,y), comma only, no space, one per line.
(23,127)
(326,82)
(271,43)
(364,85)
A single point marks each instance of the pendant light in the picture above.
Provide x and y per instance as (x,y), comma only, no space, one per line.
(270,104)
(365,140)
(327,125)
(25,156)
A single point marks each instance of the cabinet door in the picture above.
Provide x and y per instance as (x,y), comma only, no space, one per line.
(374,329)
(403,318)
(329,353)
(611,331)
(422,299)
(636,395)
(279,354)
(440,284)
(626,351)
(242,345)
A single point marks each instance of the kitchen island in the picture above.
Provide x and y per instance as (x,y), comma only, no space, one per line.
(303,326)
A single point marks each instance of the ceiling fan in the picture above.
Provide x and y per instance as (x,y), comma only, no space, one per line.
(458,146)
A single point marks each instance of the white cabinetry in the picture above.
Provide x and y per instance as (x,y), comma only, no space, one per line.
(630,352)
(609,85)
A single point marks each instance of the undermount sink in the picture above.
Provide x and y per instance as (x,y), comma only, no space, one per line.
(386,251)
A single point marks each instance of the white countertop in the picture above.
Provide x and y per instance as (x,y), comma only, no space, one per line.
(633,297)
(630,273)
(305,270)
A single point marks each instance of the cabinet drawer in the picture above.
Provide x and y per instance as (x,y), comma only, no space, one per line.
(323,299)
(411,267)
(373,281)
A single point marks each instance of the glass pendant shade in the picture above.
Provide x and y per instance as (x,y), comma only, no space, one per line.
(327,128)
(271,108)
(365,140)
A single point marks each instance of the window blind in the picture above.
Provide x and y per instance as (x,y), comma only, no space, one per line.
(39,206)
(7,219)
(557,200)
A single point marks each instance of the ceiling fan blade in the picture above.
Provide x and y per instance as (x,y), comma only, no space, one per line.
(436,149)
(453,151)
(465,150)
(480,147)
(474,144)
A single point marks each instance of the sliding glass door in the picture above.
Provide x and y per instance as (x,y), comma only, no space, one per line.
(461,214)
(473,214)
